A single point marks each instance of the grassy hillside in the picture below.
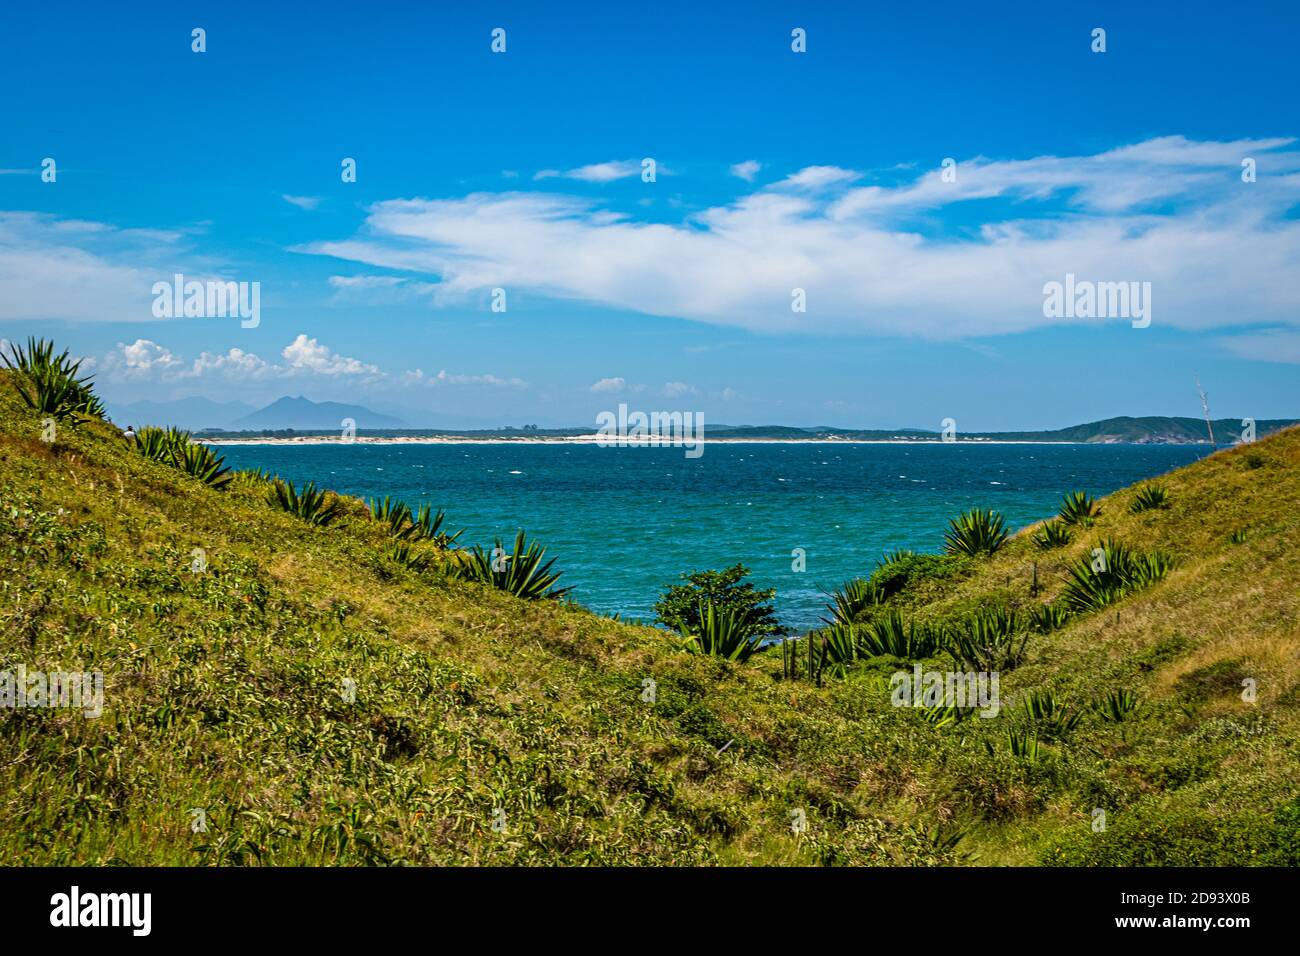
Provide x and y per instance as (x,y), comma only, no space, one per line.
(223,692)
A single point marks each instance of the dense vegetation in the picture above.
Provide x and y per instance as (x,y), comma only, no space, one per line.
(346,691)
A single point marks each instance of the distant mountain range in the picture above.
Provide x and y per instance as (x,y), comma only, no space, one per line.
(299,414)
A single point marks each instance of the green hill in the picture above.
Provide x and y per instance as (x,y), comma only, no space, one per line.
(226,674)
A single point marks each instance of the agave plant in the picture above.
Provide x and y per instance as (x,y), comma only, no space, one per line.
(396,514)
(1078,508)
(991,639)
(1053,534)
(203,463)
(975,532)
(1148,498)
(941,715)
(522,572)
(52,384)
(1110,573)
(1051,718)
(853,597)
(1045,618)
(890,636)
(309,504)
(839,647)
(722,632)
(400,552)
(160,444)
(1116,706)
(426,525)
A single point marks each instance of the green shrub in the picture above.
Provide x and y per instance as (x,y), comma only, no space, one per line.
(426,525)
(160,444)
(52,384)
(1045,618)
(1053,534)
(890,636)
(396,514)
(902,570)
(991,639)
(203,463)
(1110,573)
(1078,508)
(1148,498)
(309,505)
(851,600)
(975,532)
(1051,718)
(523,572)
(1117,706)
(722,632)
(678,606)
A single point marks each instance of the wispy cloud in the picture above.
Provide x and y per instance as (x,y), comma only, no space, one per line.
(303,202)
(746,170)
(1170,211)
(597,172)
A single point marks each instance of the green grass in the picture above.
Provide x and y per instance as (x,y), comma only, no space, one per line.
(604,742)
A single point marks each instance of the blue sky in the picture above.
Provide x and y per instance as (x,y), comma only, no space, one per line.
(775,170)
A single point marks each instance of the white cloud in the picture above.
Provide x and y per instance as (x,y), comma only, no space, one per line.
(597,172)
(1169,211)
(818,177)
(309,355)
(144,355)
(303,202)
(609,385)
(677,389)
(443,378)
(235,364)
(1269,345)
(67,269)
(746,170)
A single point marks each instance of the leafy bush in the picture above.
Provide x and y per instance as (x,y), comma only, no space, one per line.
(1149,497)
(851,600)
(1110,573)
(52,384)
(890,636)
(975,532)
(678,606)
(1078,508)
(310,504)
(722,632)
(1053,534)
(902,570)
(991,639)
(523,572)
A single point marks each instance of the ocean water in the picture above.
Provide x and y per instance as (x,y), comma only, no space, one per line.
(625,522)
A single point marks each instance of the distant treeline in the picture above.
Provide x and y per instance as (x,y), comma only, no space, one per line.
(1149,430)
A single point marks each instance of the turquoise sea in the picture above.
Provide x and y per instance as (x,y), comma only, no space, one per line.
(624,522)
